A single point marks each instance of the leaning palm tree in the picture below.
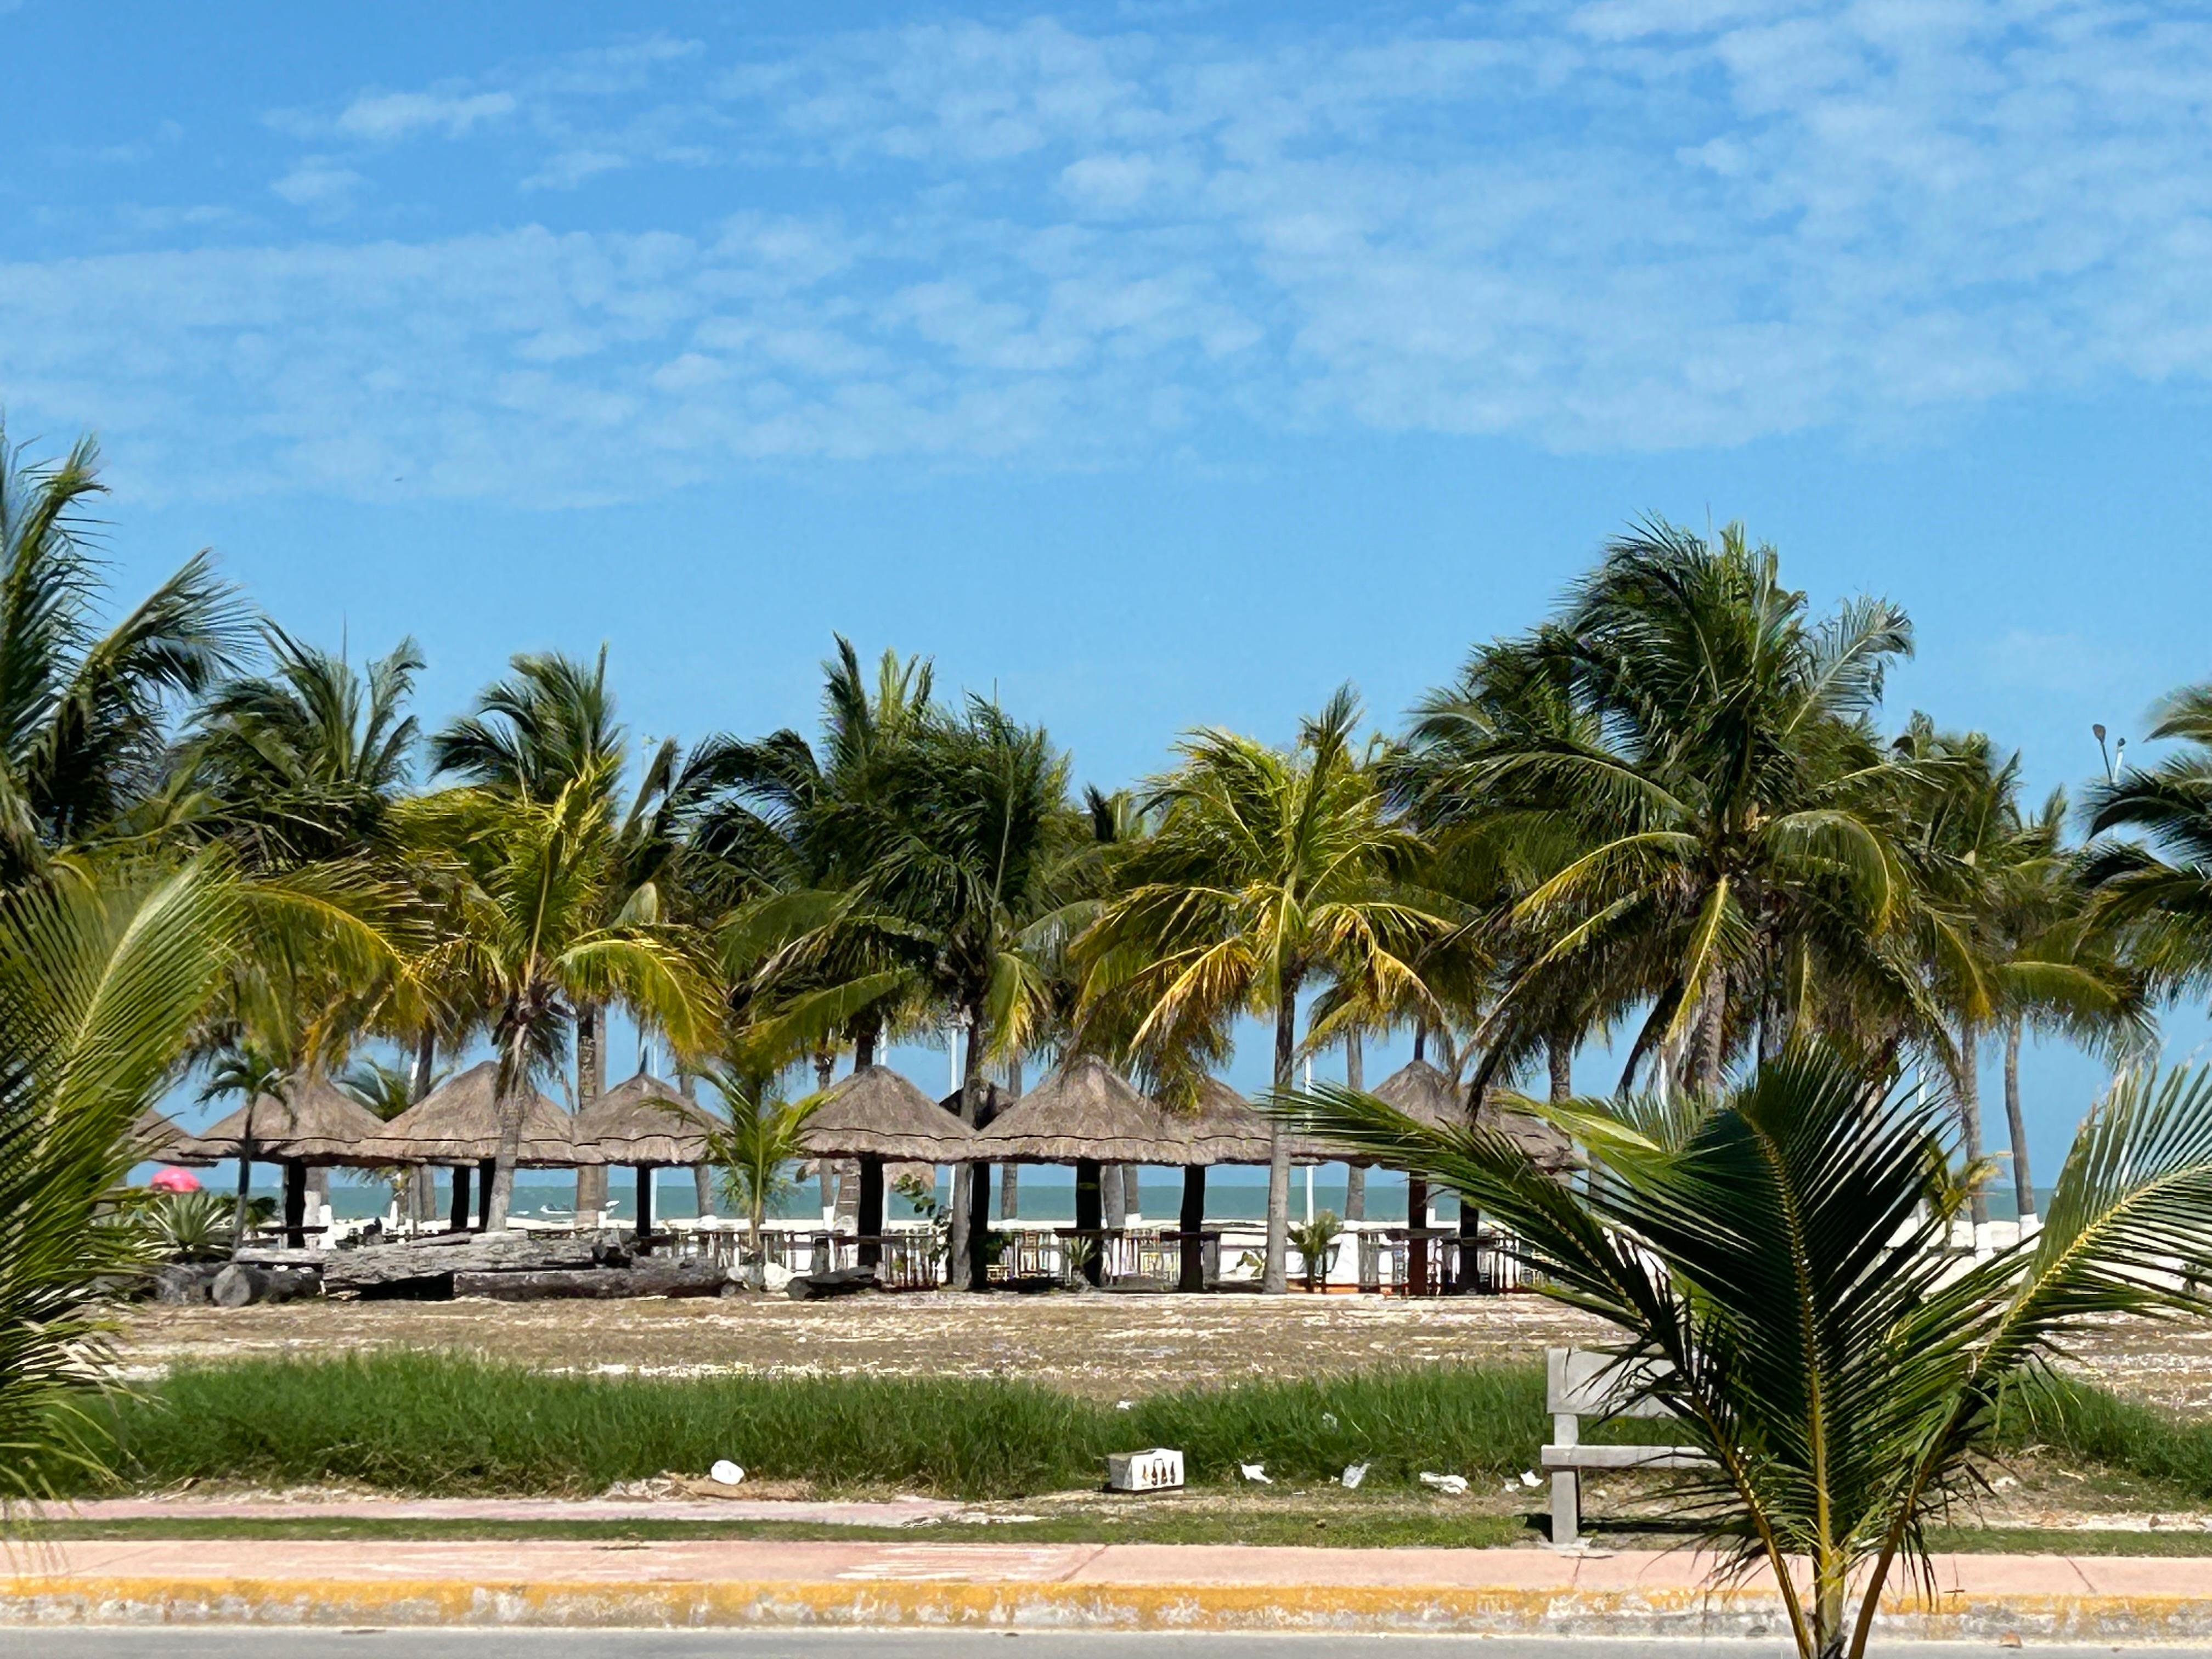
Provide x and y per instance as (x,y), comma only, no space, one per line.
(101,978)
(1770,1260)
(85,709)
(1267,869)
(536,932)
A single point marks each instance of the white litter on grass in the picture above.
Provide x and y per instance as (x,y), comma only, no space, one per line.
(1352,1475)
(1256,1473)
(1124,1404)
(1451,1485)
(1328,1419)
(1529,1478)
(727,1473)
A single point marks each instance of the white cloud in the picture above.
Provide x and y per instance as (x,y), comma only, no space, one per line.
(384,117)
(319,183)
(1655,224)
(572,167)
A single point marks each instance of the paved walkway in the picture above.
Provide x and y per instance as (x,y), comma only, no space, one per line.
(896,1512)
(678,1584)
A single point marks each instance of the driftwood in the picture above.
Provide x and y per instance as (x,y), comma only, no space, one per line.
(379,1265)
(840,1282)
(239,1284)
(184,1281)
(553,1284)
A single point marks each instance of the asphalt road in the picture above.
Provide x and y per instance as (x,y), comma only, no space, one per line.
(245,1644)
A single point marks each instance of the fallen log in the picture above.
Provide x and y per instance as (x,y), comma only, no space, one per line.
(840,1282)
(237,1285)
(184,1281)
(375,1265)
(596,1284)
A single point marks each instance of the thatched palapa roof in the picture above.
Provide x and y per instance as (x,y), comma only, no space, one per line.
(316,1122)
(645,1121)
(877,1113)
(458,1122)
(1085,1109)
(1434,1100)
(158,1139)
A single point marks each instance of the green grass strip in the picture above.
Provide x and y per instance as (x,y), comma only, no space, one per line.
(434,1424)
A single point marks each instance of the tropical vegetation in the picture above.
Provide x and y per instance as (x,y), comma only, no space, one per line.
(1677,813)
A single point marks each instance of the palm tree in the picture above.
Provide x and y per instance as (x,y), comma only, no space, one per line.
(539,934)
(1996,929)
(791,840)
(387,1090)
(1714,800)
(2156,895)
(1769,1257)
(1266,870)
(551,725)
(101,979)
(247,1070)
(304,762)
(84,712)
(755,1148)
(974,830)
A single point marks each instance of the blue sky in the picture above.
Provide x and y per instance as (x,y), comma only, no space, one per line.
(1154,364)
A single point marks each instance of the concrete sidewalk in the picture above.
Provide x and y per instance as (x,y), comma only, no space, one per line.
(748,1583)
(890,1512)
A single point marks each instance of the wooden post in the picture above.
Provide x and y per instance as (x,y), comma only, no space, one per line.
(459,1220)
(483,1193)
(1470,1220)
(645,1174)
(296,1204)
(870,1221)
(1417,1248)
(1089,1214)
(1192,1275)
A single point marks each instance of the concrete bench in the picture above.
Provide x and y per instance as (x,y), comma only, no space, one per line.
(1578,1384)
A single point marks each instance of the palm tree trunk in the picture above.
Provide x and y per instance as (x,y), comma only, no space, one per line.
(1133,1198)
(1712,1031)
(1010,1200)
(1969,1108)
(1355,1175)
(501,1198)
(591,1083)
(2023,1183)
(424,1186)
(1560,1056)
(1113,1197)
(971,1198)
(245,1181)
(1275,1273)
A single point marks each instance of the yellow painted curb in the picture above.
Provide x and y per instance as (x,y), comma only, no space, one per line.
(62,1598)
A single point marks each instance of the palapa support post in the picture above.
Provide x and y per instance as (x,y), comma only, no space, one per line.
(459,1219)
(485,1167)
(870,1221)
(1089,1215)
(1470,1221)
(296,1204)
(645,1174)
(979,1229)
(1417,1248)
(1192,1278)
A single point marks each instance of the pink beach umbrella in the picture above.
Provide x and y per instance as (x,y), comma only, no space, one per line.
(175,1181)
